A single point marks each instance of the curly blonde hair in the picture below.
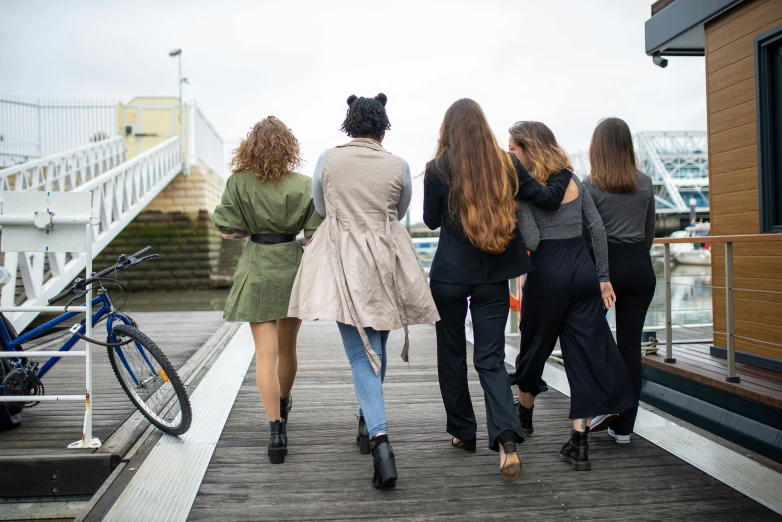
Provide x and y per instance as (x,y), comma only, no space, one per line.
(270,151)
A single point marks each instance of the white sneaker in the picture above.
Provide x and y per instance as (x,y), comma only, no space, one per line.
(601,422)
(620,439)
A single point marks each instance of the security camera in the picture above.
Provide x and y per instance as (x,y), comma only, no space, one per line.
(659,61)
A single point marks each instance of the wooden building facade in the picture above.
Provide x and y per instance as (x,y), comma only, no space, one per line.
(741,41)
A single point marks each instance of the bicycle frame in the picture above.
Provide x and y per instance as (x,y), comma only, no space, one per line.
(105,309)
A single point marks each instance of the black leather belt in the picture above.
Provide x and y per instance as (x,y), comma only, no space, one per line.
(272,239)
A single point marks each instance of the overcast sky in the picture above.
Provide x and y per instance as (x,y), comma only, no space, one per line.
(567,63)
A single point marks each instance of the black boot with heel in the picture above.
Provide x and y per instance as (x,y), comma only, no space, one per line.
(285,407)
(278,442)
(385,464)
(525,417)
(576,451)
(362,439)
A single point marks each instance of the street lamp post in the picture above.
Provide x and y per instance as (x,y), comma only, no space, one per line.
(185,166)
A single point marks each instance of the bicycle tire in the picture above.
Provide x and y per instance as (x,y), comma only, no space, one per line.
(170,377)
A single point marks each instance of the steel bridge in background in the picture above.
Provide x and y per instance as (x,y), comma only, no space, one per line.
(677,162)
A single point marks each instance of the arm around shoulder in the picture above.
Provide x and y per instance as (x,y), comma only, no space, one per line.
(547,196)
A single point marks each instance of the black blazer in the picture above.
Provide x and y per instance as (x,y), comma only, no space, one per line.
(457,260)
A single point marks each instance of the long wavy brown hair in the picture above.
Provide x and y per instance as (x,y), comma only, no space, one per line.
(481,176)
(270,151)
(540,146)
(612,157)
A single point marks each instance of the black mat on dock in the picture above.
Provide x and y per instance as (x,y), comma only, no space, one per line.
(325,478)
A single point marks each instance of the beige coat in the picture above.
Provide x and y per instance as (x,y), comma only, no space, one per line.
(361,267)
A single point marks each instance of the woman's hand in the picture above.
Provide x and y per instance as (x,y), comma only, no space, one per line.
(304,241)
(609,297)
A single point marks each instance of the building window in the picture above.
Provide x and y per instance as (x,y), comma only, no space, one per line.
(768,69)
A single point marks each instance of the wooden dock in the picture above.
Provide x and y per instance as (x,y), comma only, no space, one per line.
(49,427)
(325,478)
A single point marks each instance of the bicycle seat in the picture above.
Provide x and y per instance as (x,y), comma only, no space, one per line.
(5,276)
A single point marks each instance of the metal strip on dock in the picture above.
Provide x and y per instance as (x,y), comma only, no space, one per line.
(166,484)
(746,476)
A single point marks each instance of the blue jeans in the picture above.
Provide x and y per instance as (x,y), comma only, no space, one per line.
(368,386)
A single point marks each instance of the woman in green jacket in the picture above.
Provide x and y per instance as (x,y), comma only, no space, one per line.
(269,203)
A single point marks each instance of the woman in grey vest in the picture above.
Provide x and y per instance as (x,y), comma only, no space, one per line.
(625,200)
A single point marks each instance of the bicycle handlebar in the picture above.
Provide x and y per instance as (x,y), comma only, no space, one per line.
(122,263)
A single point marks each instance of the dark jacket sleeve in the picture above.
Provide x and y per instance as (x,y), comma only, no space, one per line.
(549,196)
(432,198)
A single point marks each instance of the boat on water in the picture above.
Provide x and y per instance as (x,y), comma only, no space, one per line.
(698,254)
(694,254)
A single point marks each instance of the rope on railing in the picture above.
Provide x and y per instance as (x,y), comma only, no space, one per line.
(649,347)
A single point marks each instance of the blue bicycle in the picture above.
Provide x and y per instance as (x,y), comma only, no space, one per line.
(142,369)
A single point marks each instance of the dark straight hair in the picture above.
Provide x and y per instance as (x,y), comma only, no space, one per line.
(612,157)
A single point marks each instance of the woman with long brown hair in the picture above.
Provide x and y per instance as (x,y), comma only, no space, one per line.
(565,298)
(624,197)
(265,200)
(471,192)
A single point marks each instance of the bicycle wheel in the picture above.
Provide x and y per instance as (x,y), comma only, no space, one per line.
(150,381)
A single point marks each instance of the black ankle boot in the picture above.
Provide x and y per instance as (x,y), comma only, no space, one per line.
(278,442)
(525,416)
(362,439)
(385,464)
(285,407)
(576,451)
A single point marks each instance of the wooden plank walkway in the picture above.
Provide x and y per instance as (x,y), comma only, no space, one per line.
(325,477)
(49,427)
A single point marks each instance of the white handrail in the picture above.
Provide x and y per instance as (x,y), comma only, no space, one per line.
(118,196)
(66,170)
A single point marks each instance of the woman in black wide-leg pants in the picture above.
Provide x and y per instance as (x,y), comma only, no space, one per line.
(471,192)
(561,299)
(489,305)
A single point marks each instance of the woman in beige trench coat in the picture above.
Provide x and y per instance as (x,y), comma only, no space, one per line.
(361,268)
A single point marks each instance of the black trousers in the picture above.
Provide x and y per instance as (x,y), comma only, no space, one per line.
(489,308)
(561,299)
(633,279)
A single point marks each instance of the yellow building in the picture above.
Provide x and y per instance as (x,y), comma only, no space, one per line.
(147,121)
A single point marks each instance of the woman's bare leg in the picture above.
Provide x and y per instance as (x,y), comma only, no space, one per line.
(526,399)
(287,362)
(265,337)
(581,425)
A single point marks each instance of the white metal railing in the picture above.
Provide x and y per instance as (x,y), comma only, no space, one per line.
(118,195)
(33,128)
(205,143)
(66,170)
